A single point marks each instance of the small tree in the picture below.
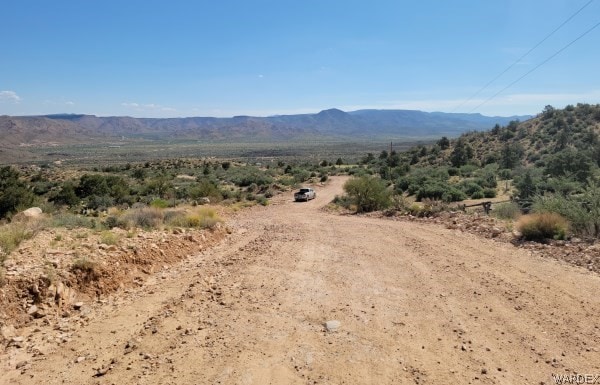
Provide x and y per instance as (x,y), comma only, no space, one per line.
(444,143)
(526,186)
(14,194)
(368,193)
(461,154)
(66,195)
(339,162)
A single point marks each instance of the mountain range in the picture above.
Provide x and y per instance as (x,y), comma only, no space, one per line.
(331,124)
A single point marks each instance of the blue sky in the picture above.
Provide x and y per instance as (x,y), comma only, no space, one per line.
(223,58)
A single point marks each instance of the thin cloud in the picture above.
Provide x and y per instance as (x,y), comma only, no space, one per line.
(147,107)
(9,96)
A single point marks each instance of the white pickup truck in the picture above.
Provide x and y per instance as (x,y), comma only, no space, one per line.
(305,194)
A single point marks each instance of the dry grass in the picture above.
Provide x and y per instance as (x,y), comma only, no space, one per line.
(145,218)
(109,238)
(201,217)
(12,234)
(541,226)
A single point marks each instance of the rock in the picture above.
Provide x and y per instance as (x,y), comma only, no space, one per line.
(33,212)
(17,342)
(79,360)
(204,201)
(77,305)
(7,332)
(21,364)
(332,326)
(495,232)
(36,312)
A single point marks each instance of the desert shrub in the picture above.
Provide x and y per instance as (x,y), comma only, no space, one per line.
(489,192)
(159,203)
(508,210)
(205,188)
(146,218)
(323,178)
(245,176)
(470,188)
(92,184)
(262,200)
(344,201)
(112,221)
(368,193)
(582,212)
(99,202)
(505,174)
(109,238)
(202,217)
(453,195)
(72,221)
(467,170)
(477,194)
(541,226)
(432,189)
(66,195)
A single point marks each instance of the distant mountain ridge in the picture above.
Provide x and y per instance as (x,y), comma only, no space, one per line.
(332,123)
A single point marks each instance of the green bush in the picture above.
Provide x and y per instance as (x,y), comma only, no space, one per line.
(14,194)
(109,238)
(159,203)
(204,218)
(66,195)
(368,193)
(477,194)
(541,226)
(489,192)
(508,210)
(470,188)
(432,189)
(453,195)
(582,212)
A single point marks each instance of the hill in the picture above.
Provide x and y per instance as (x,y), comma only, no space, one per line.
(568,138)
(332,123)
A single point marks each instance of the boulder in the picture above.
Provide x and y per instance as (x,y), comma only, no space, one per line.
(33,212)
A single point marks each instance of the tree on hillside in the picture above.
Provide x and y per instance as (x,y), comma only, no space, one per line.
(510,155)
(526,186)
(444,143)
(461,154)
(14,194)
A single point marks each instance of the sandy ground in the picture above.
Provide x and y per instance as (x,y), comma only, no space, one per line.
(417,303)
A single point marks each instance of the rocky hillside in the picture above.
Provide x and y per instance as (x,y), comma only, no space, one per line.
(565,142)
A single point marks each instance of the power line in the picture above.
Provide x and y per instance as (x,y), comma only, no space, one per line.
(523,56)
(538,66)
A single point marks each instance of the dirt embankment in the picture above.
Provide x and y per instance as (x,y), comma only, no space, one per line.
(415,303)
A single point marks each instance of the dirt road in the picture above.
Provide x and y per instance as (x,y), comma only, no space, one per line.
(417,303)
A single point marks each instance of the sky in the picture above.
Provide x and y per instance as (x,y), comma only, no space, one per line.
(224,58)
